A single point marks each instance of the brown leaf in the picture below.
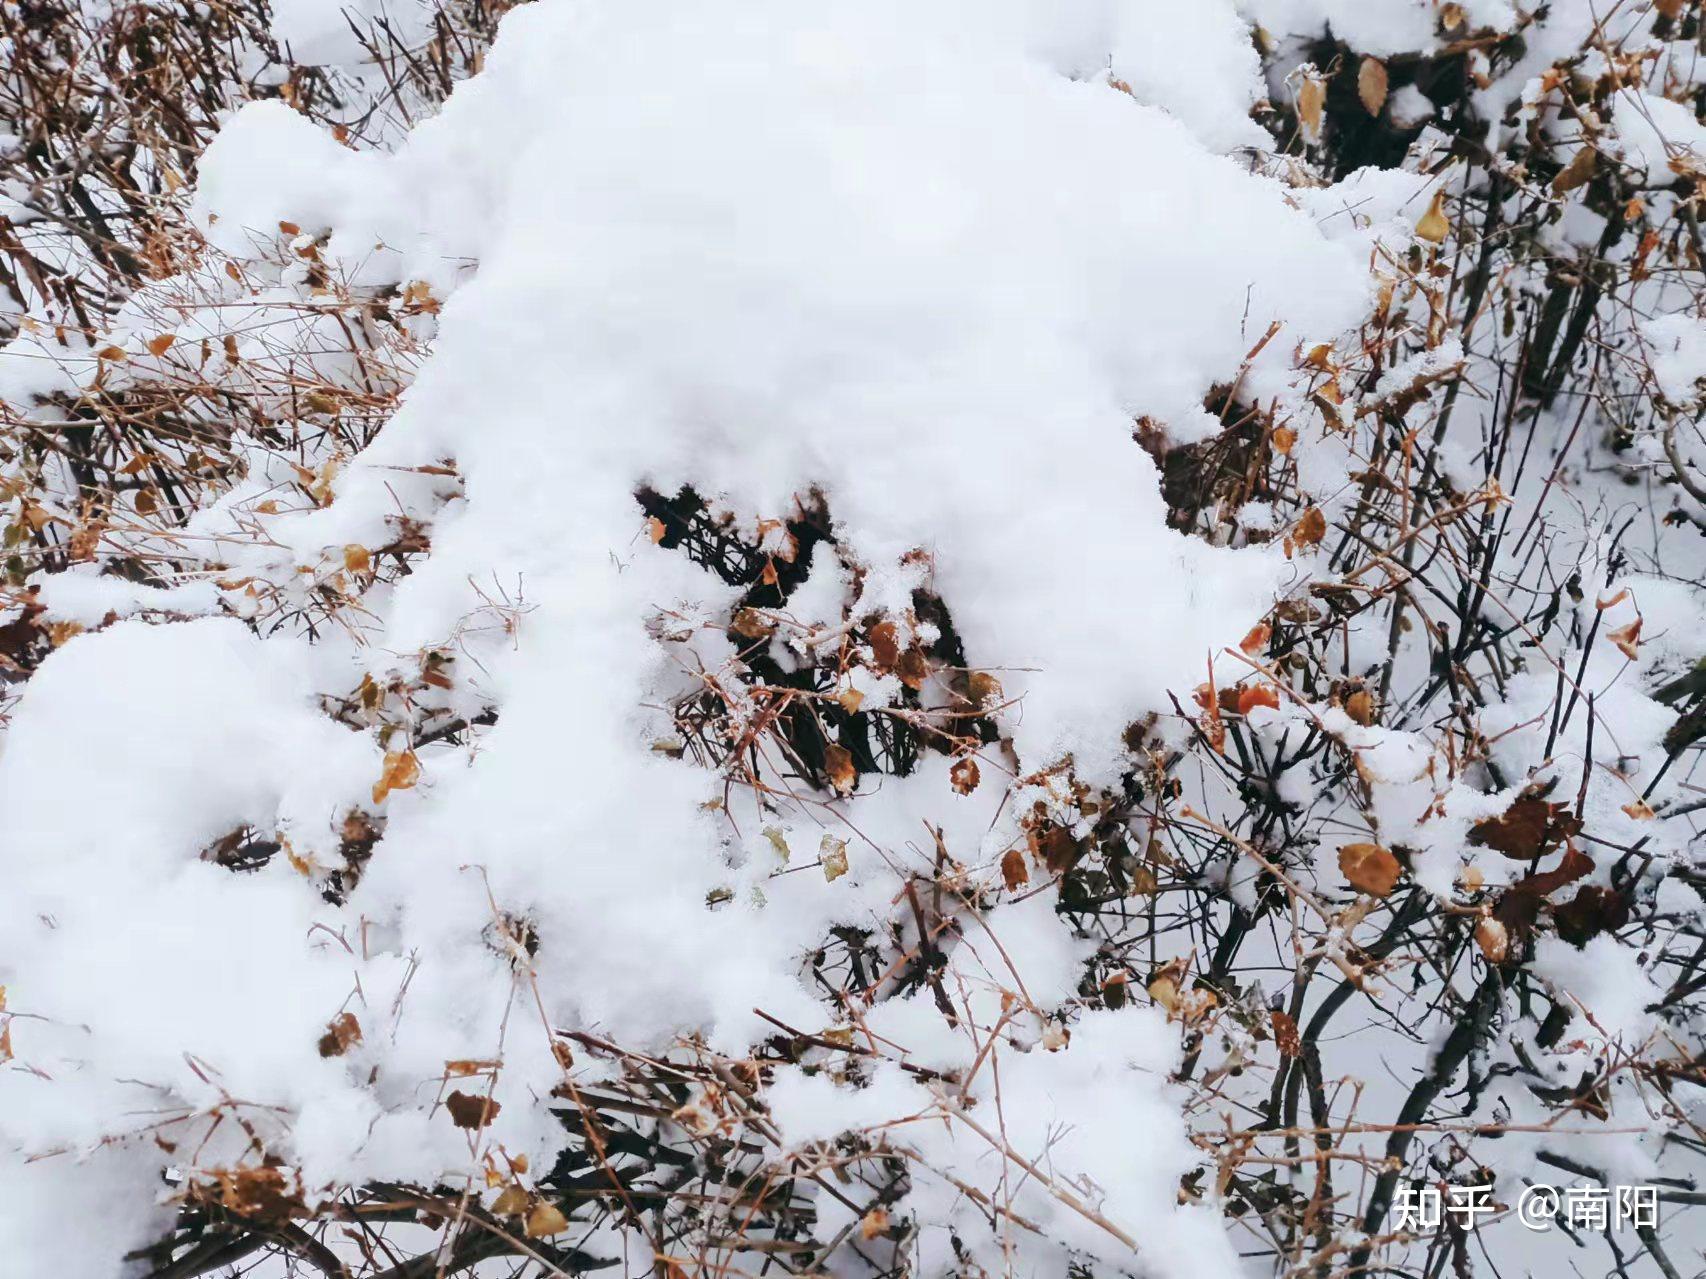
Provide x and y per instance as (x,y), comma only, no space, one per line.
(1284,439)
(913,669)
(1257,639)
(983,689)
(838,767)
(471,1112)
(885,646)
(1311,528)
(963,776)
(750,624)
(1060,852)
(1372,85)
(160,345)
(343,1031)
(1527,830)
(512,1203)
(1592,911)
(357,559)
(1369,868)
(1285,1034)
(874,1223)
(402,770)
(1014,872)
(1578,172)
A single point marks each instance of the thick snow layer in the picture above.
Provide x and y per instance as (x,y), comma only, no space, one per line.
(895,253)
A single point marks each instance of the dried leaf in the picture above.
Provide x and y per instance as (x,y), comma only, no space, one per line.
(655,529)
(983,689)
(357,559)
(1284,439)
(964,776)
(1527,830)
(1360,707)
(512,1203)
(832,854)
(1253,695)
(1014,872)
(885,646)
(160,345)
(874,1223)
(544,1220)
(402,769)
(1257,639)
(838,767)
(750,624)
(850,700)
(1311,528)
(1434,226)
(343,1031)
(1311,103)
(1494,940)
(1372,85)
(1369,868)
(778,841)
(1285,1034)
(1578,172)
(471,1112)
(1627,638)
(1640,810)
(913,669)
(1592,911)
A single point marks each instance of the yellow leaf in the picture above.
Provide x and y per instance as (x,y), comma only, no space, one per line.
(1372,84)
(545,1219)
(1434,226)
(1311,102)
(1577,172)
(512,1203)
(401,771)
(832,853)
(356,558)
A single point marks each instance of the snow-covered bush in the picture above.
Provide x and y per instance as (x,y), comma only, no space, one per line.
(857,638)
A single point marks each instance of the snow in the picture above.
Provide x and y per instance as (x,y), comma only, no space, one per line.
(929,263)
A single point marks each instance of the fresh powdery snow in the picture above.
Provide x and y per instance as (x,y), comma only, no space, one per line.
(922,259)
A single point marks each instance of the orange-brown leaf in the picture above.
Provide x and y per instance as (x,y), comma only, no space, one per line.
(1369,868)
